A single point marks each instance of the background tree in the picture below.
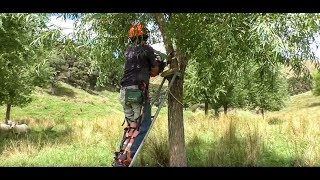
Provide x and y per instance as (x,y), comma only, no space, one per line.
(231,36)
(24,41)
(316,84)
(299,84)
(268,90)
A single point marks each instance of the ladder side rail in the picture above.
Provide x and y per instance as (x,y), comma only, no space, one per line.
(158,92)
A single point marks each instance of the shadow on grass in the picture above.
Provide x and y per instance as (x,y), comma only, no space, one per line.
(237,154)
(38,138)
(232,151)
(154,154)
(226,151)
(107,88)
(275,121)
(314,104)
(62,91)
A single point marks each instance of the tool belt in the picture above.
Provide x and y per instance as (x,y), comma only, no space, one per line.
(134,96)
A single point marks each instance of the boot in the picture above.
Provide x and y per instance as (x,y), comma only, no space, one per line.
(119,159)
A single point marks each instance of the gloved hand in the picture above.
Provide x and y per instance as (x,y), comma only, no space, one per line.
(161,65)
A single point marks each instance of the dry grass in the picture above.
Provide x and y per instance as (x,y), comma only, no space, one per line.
(286,138)
(227,141)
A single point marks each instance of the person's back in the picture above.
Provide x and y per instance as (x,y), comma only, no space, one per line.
(139,61)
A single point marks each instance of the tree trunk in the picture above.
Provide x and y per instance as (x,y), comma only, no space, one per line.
(166,40)
(8,113)
(216,112)
(225,109)
(53,88)
(177,149)
(206,107)
(262,112)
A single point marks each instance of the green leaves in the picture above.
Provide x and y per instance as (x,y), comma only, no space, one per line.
(219,47)
(25,40)
(316,84)
(236,42)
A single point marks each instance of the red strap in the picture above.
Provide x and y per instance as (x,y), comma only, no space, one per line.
(126,161)
(131,132)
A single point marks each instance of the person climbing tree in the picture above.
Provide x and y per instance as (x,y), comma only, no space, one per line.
(141,63)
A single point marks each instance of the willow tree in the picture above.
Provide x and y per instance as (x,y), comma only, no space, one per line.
(287,35)
(25,39)
(185,34)
(316,84)
(107,44)
(220,61)
(224,63)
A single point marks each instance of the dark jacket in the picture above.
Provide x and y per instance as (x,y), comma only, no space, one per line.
(139,60)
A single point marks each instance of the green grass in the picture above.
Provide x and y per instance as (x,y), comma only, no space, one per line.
(82,106)
(75,128)
(302,104)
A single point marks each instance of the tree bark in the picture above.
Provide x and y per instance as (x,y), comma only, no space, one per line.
(206,107)
(216,112)
(262,112)
(177,149)
(225,109)
(166,40)
(8,113)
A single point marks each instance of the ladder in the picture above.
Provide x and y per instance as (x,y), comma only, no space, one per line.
(172,73)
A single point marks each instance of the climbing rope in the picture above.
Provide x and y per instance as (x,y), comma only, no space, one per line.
(175,98)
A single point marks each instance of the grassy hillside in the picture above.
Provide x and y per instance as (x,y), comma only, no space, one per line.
(69,104)
(75,128)
(305,105)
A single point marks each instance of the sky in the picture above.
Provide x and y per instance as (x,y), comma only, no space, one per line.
(67,28)
(66,25)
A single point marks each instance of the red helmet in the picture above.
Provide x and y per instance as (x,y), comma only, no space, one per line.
(137,30)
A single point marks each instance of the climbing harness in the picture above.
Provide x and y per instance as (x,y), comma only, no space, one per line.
(140,96)
(124,156)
